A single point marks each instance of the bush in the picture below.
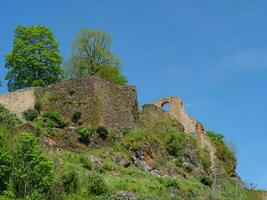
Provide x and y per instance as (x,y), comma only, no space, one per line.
(32,171)
(205,159)
(85,133)
(86,163)
(57,118)
(177,143)
(205,180)
(224,152)
(30,114)
(188,167)
(102,132)
(76,116)
(70,181)
(96,184)
(38,105)
(5,164)
(171,183)
(7,118)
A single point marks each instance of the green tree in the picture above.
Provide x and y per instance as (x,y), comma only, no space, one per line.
(91,56)
(33,172)
(34,59)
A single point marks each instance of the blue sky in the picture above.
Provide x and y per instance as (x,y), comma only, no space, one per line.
(211,53)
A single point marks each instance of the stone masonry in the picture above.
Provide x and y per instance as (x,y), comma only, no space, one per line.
(18,101)
(100,102)
(177,111)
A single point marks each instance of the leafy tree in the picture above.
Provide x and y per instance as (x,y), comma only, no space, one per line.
(91,56)
(34,59)
(33,172)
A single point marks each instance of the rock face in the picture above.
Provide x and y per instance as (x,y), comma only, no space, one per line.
(177,111)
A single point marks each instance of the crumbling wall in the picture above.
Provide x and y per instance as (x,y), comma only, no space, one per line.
(18,101)
(176,110)
(100,102)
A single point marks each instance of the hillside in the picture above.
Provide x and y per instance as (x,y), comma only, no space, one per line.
(86,139)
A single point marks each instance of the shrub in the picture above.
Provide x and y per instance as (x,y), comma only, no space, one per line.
(38,105)
(85,134)
(57,118)
(30,114)
(205,159)
(102,132)
(76,116)
(224,152)
(70,181)
(96,184)
(188,167)
(5,163)
(7,118)
(171,183)
(86,163)
(32,171)
(205,180)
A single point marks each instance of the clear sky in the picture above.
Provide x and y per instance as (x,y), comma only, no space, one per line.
(211,53)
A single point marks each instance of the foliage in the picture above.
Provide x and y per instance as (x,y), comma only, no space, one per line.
(33,171)
(38,105)
(102,132)
(34,59)
(177,143)
(85,134)
(5,163)
(56,118)
(224,153)
(76,115)
(205,180)
(70,181)
(91,56)
(96,184)
(7,118)
(30,114)
(205,159)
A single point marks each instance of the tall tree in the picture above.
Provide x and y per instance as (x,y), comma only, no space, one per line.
(34,59)
(91,56)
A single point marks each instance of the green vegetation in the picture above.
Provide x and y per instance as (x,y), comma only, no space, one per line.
(7,118)
(91,56)
(224,153)
(30,114)
(56,118)
(85,133)
(34,59)
(33,172)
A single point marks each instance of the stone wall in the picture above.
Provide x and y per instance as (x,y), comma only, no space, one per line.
(176,109)
(100,102)
(18,101)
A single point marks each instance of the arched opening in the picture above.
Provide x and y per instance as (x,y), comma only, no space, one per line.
(165,106)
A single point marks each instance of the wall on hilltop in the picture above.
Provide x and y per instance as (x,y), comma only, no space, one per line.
(176,109)
(100,102)
(18,101)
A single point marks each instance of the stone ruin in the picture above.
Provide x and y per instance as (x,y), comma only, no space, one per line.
(177,111)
